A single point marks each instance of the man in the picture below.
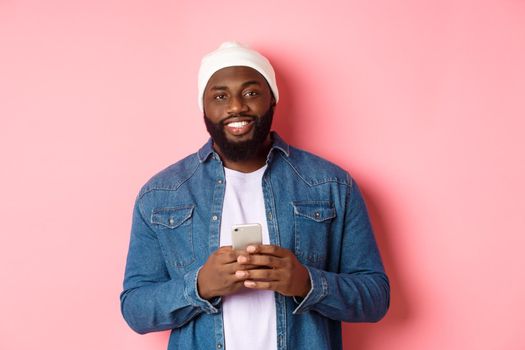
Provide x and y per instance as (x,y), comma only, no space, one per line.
(318,263)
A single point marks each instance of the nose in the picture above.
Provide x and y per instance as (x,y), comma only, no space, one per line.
(237,105)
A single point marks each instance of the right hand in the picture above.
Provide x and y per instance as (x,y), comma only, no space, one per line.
(217,275)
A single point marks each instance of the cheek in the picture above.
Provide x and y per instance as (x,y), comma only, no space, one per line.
(213,113)
(261,106)
(210,108)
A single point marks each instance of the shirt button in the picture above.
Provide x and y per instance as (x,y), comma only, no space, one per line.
(270,217)
(219,181)
(219,346)
(171,221)
(214,218)
(317,214)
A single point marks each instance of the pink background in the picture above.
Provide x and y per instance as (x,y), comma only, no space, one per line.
(422,101)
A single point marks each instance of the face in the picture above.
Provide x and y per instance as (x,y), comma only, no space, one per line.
(238,111)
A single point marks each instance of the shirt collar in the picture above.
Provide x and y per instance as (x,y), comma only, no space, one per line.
(278,144)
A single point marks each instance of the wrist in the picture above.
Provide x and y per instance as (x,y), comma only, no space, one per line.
(202,291)
(307,285)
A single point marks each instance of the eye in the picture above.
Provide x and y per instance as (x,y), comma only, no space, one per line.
(219,97)
(251,93)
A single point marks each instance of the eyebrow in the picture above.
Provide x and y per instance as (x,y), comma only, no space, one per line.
(246,83)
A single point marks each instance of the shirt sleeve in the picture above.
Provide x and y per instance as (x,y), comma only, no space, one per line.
(152,300)
(360,290)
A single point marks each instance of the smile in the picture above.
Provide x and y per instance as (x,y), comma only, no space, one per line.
(237,124)
(239,127)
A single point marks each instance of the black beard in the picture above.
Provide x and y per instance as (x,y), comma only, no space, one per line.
(242,150)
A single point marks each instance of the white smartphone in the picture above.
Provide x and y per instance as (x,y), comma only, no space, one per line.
(246,234)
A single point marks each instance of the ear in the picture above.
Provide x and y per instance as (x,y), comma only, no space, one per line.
(272,106)
(272,101)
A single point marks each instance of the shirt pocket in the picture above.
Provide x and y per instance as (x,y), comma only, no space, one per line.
(312,225)
(174,230)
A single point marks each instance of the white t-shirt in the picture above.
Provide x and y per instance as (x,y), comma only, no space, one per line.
(248,315)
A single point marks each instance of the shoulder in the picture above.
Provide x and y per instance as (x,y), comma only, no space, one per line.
(314,169)
(172,177)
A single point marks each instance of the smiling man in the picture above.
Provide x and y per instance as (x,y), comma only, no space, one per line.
(316,265)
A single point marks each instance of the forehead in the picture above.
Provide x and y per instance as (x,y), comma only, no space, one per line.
(231,76)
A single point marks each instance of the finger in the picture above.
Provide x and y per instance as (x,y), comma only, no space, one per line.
(224,249)
(266,249)
(261,260)
(226,255)
(248,267)
(229,255)
(266,275)
(243,259)
(235,266)
(241,274)
(260,285)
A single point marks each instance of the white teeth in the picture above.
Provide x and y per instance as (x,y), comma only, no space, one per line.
(237,124)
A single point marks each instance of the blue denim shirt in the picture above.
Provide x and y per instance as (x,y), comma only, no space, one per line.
(313,208)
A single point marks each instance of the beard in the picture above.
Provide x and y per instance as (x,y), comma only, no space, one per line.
(241,150)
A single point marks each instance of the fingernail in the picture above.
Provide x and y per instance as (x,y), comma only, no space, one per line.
(249,284)
(242,259)
(240,274)
(250,249)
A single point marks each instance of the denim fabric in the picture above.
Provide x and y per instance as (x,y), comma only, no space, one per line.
(314,208)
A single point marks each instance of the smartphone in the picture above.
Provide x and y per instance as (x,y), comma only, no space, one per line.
(246,234)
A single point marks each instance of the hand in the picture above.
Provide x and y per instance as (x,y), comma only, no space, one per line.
(217,275)
(273,268)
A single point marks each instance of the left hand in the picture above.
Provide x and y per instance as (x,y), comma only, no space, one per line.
(276,269)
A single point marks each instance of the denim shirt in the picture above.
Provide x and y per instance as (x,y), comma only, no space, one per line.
(313,208)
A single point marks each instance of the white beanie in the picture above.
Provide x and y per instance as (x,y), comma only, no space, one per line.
(231,54)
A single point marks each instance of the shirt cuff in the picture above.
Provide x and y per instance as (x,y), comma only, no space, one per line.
(191,293)
(318,290)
